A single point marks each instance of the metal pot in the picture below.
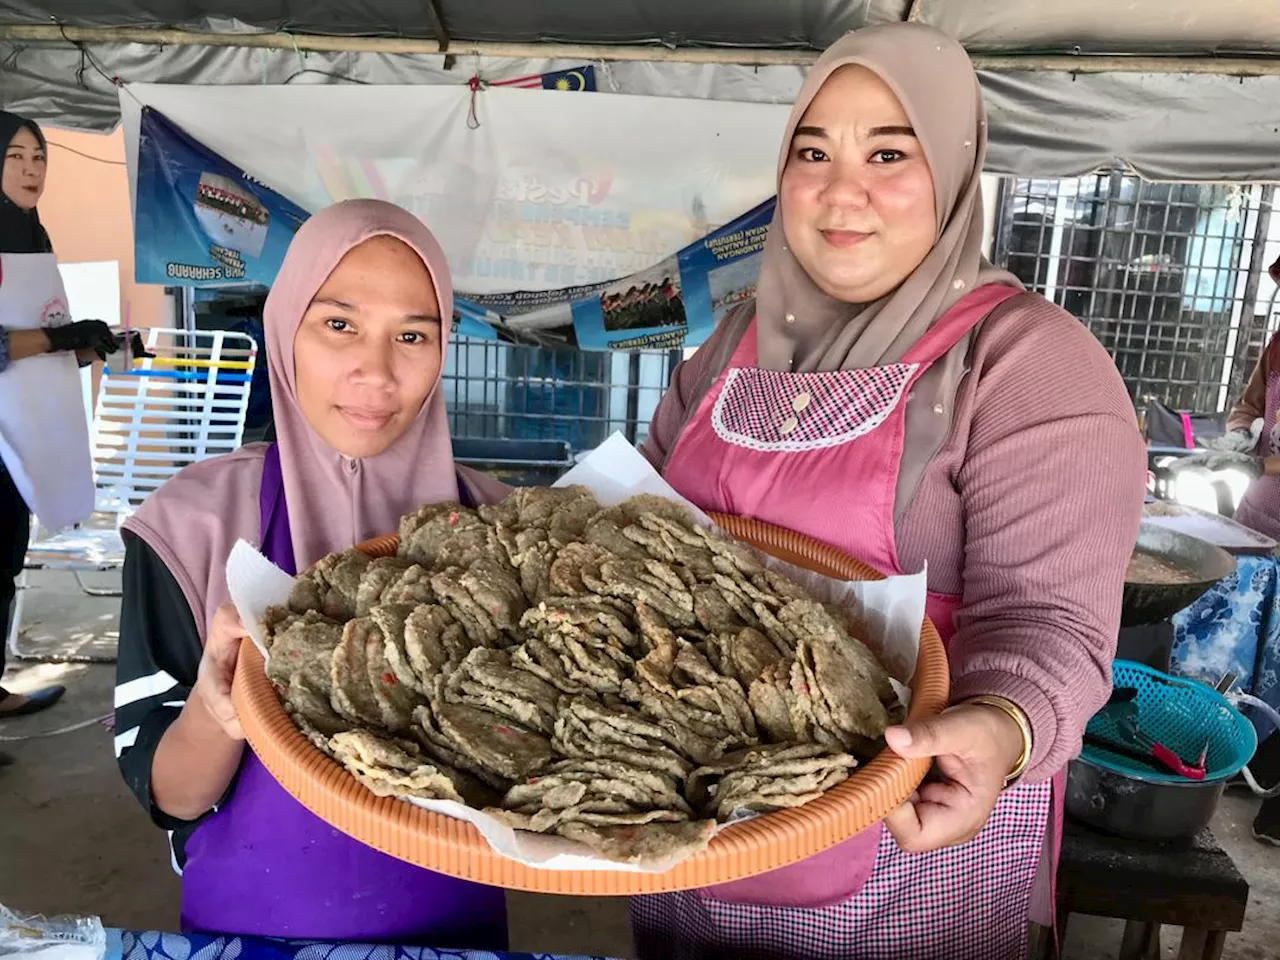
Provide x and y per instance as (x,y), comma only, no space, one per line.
(1146,603)
(1137,809)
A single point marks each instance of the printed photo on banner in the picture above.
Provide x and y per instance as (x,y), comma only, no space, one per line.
(720,270)
(732,284)
(232,217)
(200,220)
(646,300)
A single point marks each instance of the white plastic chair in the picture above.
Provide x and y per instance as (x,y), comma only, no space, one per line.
(186,405)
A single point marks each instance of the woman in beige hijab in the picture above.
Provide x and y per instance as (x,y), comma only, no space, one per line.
(889,392)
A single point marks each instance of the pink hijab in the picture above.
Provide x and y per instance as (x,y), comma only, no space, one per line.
(194,520)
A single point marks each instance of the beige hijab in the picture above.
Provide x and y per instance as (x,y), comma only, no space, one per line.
(194,520)
(933,79)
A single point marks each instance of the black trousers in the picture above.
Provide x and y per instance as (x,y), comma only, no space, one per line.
(15,531)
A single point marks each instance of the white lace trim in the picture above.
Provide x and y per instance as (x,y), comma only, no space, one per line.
(799,446)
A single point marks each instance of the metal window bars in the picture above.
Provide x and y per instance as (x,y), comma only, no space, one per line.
(1170,277)
(498,390)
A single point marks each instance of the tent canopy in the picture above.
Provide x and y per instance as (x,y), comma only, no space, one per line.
(1009,26)
(1178,89)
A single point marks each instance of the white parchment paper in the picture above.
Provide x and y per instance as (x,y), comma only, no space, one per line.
(892,609)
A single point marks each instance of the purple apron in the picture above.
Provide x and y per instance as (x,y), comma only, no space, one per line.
(262,864)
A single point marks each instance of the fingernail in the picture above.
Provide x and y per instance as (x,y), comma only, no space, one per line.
(903,735)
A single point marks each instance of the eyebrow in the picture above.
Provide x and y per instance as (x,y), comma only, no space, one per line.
(343,305)
(886,131)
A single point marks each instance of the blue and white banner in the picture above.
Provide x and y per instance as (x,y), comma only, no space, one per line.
(203,221)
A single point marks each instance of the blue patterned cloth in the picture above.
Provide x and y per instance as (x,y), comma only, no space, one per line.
(1235,627)
(152,945)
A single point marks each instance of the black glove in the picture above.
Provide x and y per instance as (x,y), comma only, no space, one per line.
(84,335)
(1243,462)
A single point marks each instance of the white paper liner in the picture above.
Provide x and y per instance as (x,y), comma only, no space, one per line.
(892,609)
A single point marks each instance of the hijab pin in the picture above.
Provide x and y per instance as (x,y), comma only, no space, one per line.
(968,143)
(959,284)
(790,318)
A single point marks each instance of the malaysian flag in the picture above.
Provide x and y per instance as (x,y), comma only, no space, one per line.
(579,79)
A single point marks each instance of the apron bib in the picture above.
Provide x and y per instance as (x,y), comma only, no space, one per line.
(44,440)
(839,437)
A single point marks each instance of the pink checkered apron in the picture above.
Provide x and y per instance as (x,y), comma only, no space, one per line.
(771,445)
(1260,506)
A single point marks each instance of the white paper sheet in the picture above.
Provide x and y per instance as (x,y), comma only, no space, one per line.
(255,583)
(893,610)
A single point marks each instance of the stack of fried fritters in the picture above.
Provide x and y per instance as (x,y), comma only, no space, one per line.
(619,676)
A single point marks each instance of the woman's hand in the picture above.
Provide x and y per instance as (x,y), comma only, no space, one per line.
(218,667)
(974,748)
(90,335)
(199,754)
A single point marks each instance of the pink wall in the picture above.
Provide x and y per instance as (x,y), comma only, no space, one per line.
(85,208)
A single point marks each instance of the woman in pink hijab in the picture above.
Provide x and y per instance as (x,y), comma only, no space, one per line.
(356,326)
(890,393)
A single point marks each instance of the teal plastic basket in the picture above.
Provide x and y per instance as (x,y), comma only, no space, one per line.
(1183,715)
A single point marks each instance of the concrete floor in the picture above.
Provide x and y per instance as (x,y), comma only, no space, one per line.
(73,840)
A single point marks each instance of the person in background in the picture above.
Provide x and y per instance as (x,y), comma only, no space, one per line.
(39,351)
(1253,433)
(931,411)
(355,330)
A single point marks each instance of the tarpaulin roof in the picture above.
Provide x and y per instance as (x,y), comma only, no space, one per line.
(1180,89)
(1098,26)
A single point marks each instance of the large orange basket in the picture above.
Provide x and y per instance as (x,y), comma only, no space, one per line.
(456,848)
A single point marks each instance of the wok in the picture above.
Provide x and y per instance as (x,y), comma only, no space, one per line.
(1136,809)
(1146,603)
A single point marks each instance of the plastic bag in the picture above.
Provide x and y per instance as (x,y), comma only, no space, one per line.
(51,938)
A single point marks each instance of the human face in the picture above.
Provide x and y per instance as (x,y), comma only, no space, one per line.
(368,350)
(24,169)
(857,195)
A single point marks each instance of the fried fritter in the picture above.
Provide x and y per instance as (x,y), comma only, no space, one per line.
(302,646)
(377,576)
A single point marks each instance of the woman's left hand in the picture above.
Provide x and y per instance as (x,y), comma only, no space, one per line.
(974,747)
